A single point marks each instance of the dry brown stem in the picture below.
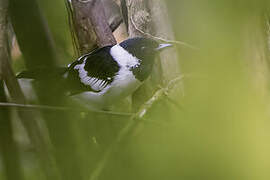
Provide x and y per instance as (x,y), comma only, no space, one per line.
(91,26)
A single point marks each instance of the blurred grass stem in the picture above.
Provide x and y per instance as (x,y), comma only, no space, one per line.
(135,119)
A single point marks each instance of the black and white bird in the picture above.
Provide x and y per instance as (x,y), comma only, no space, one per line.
(108,74)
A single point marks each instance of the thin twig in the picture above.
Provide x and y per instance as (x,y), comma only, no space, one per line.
(134,120)
(58,108)
(157,96)
(84,1)
(160,38)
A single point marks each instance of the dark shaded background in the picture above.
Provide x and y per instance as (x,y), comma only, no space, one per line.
(222,129)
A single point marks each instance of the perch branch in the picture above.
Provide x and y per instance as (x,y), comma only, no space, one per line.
(156,97)
(58,108)
(134,120)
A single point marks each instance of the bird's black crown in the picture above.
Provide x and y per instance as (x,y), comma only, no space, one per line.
(140,47)
(145,50)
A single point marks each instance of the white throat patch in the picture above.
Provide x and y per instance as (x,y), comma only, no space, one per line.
(123,57)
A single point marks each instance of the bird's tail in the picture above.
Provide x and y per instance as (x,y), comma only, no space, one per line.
(43,73)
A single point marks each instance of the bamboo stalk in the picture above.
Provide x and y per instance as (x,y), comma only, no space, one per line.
(8,148)
(30,123)
(38,50)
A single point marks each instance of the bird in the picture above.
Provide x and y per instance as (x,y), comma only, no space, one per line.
(108,74)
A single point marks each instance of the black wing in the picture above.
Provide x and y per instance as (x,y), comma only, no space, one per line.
(93,71)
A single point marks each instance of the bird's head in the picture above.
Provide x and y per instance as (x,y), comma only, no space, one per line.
(145,50)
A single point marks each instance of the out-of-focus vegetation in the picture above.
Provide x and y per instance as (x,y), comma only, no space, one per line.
(222,129)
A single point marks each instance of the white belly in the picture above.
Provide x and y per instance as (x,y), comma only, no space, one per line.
(121,87)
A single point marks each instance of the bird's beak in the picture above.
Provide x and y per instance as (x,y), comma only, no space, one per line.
(163,46)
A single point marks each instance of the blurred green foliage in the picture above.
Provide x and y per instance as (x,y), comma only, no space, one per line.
(222,130)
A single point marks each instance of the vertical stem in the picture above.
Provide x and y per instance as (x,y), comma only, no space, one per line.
(100,24)
(32,33)
(162,28)
(91,25)
(16,94)
(38,49)
(9,149)
(84,36)
(139,15)
(150,16)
